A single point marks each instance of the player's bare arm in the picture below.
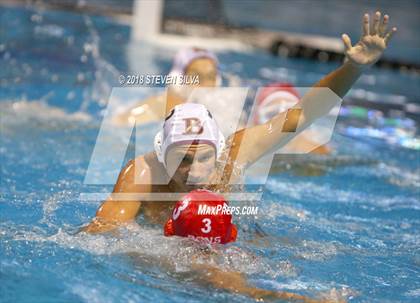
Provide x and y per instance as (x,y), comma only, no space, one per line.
(252,143)
(114,211)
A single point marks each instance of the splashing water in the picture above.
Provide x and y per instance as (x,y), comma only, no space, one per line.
(350,232)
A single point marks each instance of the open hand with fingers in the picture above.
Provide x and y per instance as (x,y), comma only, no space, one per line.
(374,40)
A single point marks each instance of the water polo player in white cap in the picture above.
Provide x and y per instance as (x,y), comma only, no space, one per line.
(190,149)
(192,62)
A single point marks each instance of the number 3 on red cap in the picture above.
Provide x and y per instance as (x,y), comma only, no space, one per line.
(207,227)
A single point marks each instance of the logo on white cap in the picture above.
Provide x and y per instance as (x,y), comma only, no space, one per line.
(193,126)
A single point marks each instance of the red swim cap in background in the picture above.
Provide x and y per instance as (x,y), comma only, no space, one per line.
(280,91)
(277,87)
(213,226)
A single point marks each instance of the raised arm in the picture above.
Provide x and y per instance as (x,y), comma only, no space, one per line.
(252,143)
(115,210)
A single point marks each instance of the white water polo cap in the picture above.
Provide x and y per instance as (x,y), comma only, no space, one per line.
(188,123)
(185,56)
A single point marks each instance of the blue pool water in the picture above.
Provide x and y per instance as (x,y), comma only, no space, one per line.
(352,231)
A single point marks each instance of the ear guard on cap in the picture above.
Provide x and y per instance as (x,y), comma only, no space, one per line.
(169,229)
(158,147)
(233,233)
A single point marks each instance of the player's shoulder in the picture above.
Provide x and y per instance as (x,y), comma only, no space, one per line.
(134,174)
(145,167)
(139,162)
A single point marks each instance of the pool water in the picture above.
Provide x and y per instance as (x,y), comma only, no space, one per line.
(352,231)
